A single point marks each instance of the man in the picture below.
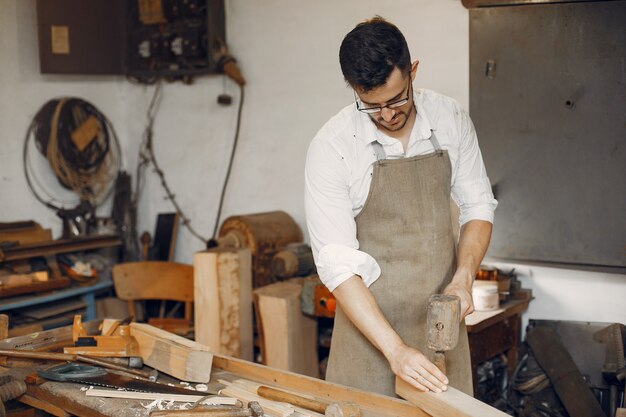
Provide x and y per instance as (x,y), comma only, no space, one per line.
(379,177)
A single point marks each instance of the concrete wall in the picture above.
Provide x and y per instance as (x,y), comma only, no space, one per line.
(287,50)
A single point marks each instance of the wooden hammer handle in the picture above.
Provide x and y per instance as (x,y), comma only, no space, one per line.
(440,361)
(287,397)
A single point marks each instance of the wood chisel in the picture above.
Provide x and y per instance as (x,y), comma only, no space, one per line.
(93,375)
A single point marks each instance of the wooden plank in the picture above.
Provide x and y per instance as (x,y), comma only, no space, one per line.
(134,395)
(374,404)
(565,376)
(223,301)
(289,336)
(43,405)
(53,309)
(26,236)
(45,339)
(63,402)
(36,286)
(174,355)
(451,403)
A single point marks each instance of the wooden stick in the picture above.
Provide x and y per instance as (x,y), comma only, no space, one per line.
(450,403)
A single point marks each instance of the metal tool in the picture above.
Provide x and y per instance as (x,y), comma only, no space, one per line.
(93,375)
(443,318)
(342,409)
(254,410)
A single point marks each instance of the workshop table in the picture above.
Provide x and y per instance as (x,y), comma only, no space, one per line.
(492,333)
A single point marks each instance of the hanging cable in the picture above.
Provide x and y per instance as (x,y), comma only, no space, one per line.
(230,163)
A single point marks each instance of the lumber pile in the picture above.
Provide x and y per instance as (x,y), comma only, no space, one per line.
(174,355)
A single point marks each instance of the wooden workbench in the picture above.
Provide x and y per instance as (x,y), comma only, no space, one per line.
(63,399)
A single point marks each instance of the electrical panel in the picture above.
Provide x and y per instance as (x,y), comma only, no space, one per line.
(142,39)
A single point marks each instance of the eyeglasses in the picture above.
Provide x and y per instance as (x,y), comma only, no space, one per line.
(392,105)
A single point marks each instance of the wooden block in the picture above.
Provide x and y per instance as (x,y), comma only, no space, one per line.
(451,403)
(223,301)
(289,336)
(43,405)
(24,279)
(4,326)
(176,356)
(620,412)
(27,236)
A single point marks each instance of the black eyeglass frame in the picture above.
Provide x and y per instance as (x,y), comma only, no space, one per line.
(392,105)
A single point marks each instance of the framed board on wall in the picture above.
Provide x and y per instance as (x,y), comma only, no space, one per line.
(548,99)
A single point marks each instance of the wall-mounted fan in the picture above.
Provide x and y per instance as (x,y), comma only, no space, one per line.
(71,143)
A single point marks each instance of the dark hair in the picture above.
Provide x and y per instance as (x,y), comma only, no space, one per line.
(370,52)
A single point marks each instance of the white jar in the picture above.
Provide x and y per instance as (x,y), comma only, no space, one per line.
(485,295)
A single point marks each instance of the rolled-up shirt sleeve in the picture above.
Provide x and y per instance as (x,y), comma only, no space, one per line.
(471,189)
(330,220)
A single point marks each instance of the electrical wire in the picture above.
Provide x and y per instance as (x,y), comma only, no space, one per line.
(147,157)
(230,163)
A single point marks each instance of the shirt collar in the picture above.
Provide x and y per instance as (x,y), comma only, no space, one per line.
(367,132)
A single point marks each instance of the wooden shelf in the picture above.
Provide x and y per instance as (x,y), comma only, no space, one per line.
(58,246)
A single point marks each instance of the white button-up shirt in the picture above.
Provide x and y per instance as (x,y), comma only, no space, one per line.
(338,174)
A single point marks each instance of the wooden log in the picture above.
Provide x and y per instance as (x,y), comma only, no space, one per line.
(135,395)
(223,301)
(289,338)
(174,355)
(451,403)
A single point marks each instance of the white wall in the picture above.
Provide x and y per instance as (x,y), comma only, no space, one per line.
(288,51)
(565,294)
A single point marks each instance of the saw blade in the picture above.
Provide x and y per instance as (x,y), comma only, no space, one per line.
(130,384)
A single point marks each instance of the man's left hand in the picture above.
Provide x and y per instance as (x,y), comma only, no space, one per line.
(461,286)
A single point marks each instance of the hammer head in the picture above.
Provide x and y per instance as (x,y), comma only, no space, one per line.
(255,409)
(343,409)
(444,315)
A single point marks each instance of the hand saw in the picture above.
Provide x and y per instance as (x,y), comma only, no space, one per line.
(93,375)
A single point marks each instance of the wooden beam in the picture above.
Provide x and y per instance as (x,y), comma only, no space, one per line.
(289,338)
(135,395)
(375,404)
(176,356)
(48,338)
(223,301)
(451,403)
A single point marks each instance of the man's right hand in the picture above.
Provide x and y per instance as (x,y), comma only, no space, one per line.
(413,367)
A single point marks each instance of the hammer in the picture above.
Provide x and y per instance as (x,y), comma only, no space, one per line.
(444,315)
(342,409)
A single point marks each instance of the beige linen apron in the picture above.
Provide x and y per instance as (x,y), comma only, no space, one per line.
(406,226)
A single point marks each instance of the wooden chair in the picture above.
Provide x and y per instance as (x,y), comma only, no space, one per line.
(155,280)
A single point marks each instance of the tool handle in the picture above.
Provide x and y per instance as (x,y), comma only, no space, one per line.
(440,361)
(203,412)
(287,397)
